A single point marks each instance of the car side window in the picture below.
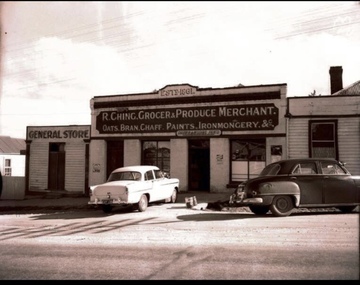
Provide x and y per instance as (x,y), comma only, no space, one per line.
(305,168)
(159,174)
(137,176)
(339,170)
(331,168)
(149,175)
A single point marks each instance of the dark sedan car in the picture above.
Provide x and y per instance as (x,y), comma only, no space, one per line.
(285,185)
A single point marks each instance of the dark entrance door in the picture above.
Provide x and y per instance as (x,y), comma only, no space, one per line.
(115,156)
(56,175)
(199,165)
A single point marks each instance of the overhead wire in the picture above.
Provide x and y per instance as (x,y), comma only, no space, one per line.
(89,33)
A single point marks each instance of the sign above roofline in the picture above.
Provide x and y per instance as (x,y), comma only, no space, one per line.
(177,90)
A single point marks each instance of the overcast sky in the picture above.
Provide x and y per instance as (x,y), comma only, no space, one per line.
(56,56)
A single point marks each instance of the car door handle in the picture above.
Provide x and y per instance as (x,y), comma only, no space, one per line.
(293,178)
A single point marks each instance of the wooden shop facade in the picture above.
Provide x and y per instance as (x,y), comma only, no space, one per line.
(209,138)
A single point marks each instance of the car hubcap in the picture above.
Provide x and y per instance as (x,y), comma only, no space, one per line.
(282,204)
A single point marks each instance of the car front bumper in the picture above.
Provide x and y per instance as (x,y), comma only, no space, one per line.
(246,202)
(239,200)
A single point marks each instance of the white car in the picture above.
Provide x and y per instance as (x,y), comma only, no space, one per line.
(136,185)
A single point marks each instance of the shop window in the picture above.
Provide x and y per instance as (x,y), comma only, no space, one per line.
(157,153)
(7,169)
(248,158)
(323,139)
(276,153)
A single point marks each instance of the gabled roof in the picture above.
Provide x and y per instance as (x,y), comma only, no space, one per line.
(10,145)
(353,89)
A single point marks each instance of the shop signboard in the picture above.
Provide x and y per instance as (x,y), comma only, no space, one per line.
(182,120)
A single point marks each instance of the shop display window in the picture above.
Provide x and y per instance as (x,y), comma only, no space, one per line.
(156,153)
(248,158)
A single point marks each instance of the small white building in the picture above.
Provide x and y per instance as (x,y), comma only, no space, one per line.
(12,167)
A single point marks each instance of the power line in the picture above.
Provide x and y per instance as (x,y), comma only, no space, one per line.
(118,31)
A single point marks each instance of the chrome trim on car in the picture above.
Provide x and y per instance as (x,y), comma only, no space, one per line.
(253,200)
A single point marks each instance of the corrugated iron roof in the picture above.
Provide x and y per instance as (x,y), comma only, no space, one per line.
(11,145)
(353,89)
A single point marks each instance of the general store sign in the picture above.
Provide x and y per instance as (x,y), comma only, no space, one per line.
(58,133)
(183,120)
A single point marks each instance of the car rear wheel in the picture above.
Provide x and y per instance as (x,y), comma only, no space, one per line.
(143,203)
(282,206)
(346,209)
(173,196)
(259,210)
(106,208)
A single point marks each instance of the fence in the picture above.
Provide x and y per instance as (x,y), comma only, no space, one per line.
(13,188)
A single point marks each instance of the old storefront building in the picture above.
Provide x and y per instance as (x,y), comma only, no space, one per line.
(57,158)
(209,138)
(327,126)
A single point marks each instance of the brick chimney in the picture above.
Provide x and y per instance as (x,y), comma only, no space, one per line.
(336,82)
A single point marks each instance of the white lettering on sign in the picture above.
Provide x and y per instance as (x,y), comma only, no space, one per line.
(199,133)
(247,111)
(229,118)
(174,91)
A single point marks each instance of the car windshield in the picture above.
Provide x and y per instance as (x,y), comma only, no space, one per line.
(271,169)
(125,175)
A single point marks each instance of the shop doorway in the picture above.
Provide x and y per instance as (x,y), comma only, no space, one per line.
(56,175)
(199,165)
(115,156)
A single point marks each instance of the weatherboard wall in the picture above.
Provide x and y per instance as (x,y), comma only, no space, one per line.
(344,110)
(57,158)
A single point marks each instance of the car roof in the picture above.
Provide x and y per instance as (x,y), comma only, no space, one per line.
(141,168)
(288,164)
(291,161)
(305,159)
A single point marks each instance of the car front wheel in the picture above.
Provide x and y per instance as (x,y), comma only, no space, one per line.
(143,203)
(282,206)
